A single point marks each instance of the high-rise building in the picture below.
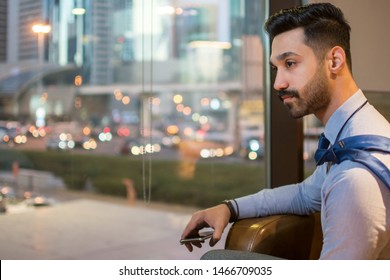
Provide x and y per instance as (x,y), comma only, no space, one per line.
(3,30)
(84,40)
(100,45)
(30,12)
(141,42)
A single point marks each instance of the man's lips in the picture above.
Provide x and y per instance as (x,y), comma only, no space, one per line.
(284,95)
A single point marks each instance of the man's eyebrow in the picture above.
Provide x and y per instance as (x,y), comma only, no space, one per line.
(284,55)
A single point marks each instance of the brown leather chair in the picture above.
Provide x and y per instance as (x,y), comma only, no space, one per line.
(285,236)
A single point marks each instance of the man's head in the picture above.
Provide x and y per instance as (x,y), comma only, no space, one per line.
(324,27)
(311,59)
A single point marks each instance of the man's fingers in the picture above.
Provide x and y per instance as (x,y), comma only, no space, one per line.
(217,235)
(189,247)
(196,223)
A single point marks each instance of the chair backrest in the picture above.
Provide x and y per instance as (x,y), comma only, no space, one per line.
(285,236)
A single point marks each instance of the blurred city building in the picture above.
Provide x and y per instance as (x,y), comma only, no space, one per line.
(124,61)
(3,30)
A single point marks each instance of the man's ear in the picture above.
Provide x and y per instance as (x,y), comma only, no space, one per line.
(336,59)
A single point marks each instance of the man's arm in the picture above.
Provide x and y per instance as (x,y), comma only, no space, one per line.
(265,202)
(300,199)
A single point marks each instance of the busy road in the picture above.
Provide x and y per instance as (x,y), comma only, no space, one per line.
(112,148)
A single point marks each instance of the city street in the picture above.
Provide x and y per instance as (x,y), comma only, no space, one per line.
(105,148)
(112,148)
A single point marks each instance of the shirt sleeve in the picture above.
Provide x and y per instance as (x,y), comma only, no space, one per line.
(301,199)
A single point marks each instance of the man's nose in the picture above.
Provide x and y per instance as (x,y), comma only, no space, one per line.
(280,82)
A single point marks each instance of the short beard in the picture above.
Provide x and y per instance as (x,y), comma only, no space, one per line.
(315,92)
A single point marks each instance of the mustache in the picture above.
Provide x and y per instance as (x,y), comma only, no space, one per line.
(291,93)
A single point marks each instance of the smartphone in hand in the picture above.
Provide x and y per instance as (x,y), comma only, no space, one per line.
(203,236)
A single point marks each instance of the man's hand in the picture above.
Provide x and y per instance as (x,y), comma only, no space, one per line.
(216,217)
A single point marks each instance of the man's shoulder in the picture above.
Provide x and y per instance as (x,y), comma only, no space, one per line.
(354,175)
(369,121)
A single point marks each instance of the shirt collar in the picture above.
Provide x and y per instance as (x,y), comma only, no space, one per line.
(341,115)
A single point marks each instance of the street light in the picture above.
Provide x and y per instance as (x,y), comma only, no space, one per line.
(79,12)
(41,30)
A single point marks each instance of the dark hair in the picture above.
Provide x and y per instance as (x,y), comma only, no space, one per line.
(324,27)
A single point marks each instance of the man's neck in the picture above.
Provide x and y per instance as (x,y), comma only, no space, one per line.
(340,94)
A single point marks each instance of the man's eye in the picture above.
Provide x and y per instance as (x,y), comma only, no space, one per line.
(289,64)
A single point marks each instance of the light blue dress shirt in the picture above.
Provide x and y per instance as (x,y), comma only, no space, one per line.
(354,203)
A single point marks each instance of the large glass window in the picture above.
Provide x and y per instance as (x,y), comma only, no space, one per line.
(166,94)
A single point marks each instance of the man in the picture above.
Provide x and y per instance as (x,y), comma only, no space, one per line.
(312,62)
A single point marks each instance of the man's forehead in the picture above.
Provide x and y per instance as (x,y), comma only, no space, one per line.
(289,43)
